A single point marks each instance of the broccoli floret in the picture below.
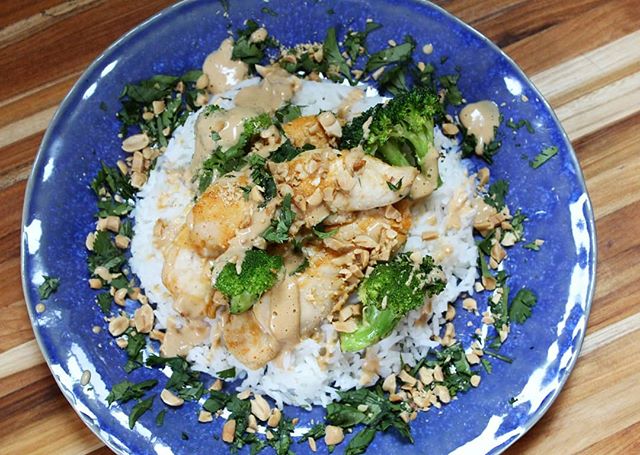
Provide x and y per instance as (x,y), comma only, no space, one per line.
(259,272)
(400,132)
(391,291)
(353,132)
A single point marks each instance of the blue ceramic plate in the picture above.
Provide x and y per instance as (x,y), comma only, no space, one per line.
(59,209)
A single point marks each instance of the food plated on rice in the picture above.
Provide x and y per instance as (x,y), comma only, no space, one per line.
(303,226)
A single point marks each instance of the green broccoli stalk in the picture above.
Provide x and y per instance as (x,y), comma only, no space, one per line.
(260,271)
(400,132)
(387,294)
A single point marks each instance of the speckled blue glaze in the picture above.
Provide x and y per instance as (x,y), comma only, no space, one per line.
(59,211)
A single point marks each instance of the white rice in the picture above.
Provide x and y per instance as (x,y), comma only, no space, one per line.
(297,378)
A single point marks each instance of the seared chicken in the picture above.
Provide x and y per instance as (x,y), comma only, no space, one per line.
(300,303)
(224,215)
(187,276)
(326,181)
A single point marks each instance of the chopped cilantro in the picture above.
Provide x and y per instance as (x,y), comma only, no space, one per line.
(498,356)
(302,267)
(105,253)
(321,232)
(533,246)
(453,96)
(249,51)
(127,390)
(136,342)
(336,64)
(139,409)
(229,373)
(104,300)
(286,152)
(497,194)
(262,177)
(396,54)
(315,432)
(355,42)
(160,418)
(395,186)
(288,113)
(515,126)
(278,232)
(184,381)
(521,305)
(544,156)
(48,287)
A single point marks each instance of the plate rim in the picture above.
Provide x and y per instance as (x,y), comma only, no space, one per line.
(587,209)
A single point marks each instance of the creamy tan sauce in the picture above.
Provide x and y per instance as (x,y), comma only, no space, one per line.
(285,311)
(228,125)
(276,88)
(427,182)
(179,340)
(481,119)
(222,71)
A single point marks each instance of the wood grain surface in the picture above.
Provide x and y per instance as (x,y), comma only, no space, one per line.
(584,55)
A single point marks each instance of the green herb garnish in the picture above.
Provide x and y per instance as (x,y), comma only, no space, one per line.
(126,390)
(521,305)
(48,287)
(544,156)
(278,232)
(139,409)
(229,373)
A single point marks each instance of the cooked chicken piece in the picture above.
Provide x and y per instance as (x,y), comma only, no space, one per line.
(187,276)
(298,305)
(224,215)
(307,130)
(326,181)
(178,340)
(247,341)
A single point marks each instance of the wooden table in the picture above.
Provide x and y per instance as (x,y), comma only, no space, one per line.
(584,55)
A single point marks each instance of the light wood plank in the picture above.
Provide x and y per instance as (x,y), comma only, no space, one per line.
(590,70)
(601,108)
(20,358)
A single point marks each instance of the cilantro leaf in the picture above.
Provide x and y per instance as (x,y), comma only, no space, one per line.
(497,194)
(48,287)
(354,43)
(278,232)
(248,50)
(104,300)
(521,305)
(288,113)
(395,186)
(227,374)
(105,253)
(336,64)
(160,418)
(139,409)
(545,155)
(533,246)
(127,390)
(320,231)
(395,54)
(262,177)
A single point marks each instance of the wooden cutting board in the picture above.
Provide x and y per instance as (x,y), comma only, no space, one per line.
(584,55)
